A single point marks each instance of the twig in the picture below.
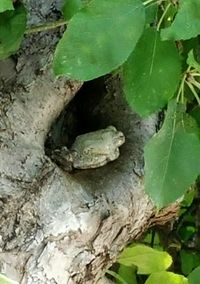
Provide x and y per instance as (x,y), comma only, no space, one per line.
(46,27)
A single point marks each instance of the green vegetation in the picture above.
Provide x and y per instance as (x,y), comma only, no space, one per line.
(12,27)
(6,5)
(165,254)
(140,260)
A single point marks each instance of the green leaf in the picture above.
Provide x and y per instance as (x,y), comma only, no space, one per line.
(5,280)
(171,158)
(187,233)
(185,48)
(116,276)
(194,276)
(12,27)
(187,22)
(195,113)
(189,261)
(188,198)
(191,125)
(166,278)
(151,14)
(71,7)
(128,274)
(191,61)
(147,260)
(6,5)
(151,74)
(99,38)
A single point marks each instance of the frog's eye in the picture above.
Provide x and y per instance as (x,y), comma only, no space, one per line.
(111,128)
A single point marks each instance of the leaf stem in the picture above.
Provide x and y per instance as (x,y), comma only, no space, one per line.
(46,27)
(195,83)
(117,276)
(194,92)
(148,2)
(195,74)
(181,88)
(162,17)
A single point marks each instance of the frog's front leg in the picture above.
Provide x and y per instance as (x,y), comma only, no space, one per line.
(89,162)
(64,158)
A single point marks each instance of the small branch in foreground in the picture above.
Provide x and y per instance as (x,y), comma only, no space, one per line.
(46,27)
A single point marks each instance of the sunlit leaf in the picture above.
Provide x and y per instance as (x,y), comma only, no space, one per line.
(146,259)
(6,5)
(165,277)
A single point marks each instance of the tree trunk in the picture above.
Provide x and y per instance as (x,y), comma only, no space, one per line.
(59,227)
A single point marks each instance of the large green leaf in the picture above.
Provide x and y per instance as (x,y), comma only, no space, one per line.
(166,277)
(128,274)
(12,27)
(191,61)
(151,14)
(146,259)
(187,22)
(189,260)
(194,276)
(172,160)
(71,7)
(99,38)
(195,113)
(116,276)
(6,5)
(151,74)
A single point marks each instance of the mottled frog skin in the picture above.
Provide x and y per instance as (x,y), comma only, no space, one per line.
(91,150)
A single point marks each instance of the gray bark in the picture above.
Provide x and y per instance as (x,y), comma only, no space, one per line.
(58,227)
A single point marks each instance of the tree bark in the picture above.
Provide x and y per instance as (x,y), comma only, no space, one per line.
(58,227)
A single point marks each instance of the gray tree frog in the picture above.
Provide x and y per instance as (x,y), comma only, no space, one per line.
(90,150)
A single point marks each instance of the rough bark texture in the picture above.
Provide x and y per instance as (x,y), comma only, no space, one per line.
(58,227)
